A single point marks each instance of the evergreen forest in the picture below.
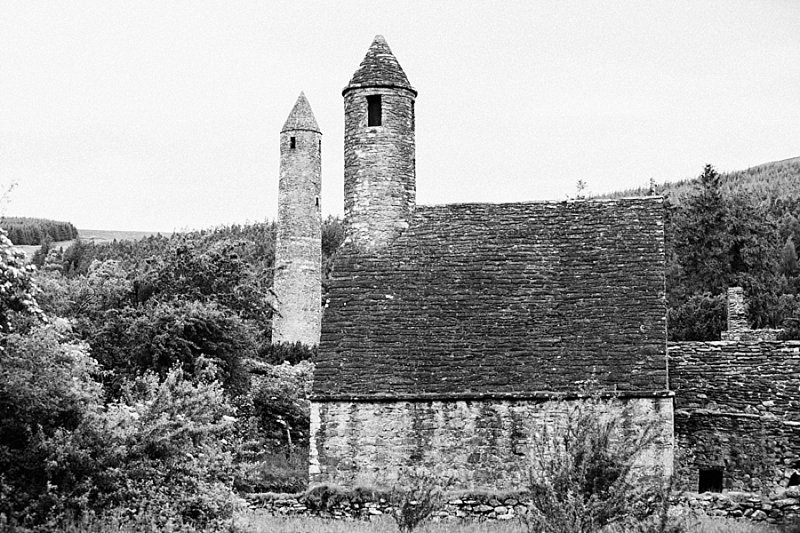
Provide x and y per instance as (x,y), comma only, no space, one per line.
(33,231)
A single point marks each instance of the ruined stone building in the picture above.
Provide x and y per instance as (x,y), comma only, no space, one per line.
(450,331)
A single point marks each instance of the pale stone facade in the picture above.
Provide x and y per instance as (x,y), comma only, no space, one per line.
(480,444)
(297,281)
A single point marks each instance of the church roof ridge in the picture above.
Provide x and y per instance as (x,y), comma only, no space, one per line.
(301,117)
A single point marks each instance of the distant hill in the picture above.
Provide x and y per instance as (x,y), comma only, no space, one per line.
(762,183)
(95,236)
(101,235)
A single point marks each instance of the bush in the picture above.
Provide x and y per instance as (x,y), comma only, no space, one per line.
(165,449)
(582,481)
(415,496)
(47,386)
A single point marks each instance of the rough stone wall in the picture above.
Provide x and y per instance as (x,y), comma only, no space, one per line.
(483,444)
(755,377)
(298,250)
(755,453)
(379,167)
(783,507)
(737,409)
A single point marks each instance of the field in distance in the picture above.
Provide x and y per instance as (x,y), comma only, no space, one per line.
(96,236)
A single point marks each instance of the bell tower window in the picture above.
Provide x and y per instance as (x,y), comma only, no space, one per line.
(292,142)
(374,110)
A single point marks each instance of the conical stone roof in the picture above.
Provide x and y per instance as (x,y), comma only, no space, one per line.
(301,117)
(379,69)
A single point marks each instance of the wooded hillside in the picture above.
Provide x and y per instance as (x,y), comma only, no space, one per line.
(24,230)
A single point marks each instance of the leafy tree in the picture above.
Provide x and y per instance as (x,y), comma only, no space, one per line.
(46,385)
(17,286)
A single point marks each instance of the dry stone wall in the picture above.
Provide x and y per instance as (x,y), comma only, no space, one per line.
(783,508)
(485,444)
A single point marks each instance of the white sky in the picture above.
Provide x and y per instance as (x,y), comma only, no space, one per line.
(154,115)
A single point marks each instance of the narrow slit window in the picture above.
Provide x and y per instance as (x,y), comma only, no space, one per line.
(292,142)
(710,480)
(374,110)
(316,201)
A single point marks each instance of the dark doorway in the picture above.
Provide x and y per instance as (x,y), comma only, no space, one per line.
(710,480)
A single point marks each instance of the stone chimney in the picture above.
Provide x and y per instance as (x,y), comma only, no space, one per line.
(738,326)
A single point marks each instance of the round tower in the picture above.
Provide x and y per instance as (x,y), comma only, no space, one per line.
(297,282)
(379,152)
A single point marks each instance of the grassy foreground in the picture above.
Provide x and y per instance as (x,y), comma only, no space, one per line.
(256,522)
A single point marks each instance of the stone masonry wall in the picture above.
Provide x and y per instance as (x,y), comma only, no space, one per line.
(297,281)
(737,409)
(782,508)
(379,167)
(484,444)
(755,377)
(755,453)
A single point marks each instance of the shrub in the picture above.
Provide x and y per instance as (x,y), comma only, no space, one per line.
(47,386)
(165,449)
(415,497)
(581,475)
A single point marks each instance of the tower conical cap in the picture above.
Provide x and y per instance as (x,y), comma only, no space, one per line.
(301,117)
(379,69)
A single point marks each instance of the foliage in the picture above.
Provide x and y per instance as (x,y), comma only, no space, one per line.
(701,317)
(285,352)
(714,242)
(17,286)
(159,336)
(415,497)
(166,447)
(583,476)
(24,230)
(46,385)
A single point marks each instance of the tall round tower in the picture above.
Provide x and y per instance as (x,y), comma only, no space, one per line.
(379,152)
(297,279)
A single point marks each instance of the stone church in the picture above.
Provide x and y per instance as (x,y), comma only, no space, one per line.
(451,335)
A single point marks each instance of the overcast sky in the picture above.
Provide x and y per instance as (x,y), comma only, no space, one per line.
(143,115)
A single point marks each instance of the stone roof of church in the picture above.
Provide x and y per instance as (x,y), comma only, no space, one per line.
(301,117)
(379,69)
(483,299)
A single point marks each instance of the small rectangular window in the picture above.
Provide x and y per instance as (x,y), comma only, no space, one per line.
(710,480)
(292,143)
(374,110)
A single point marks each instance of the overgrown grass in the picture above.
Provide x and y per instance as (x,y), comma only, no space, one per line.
(258,522)
(261,522)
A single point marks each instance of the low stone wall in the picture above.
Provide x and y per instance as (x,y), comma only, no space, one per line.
(485,444)
(782,508)
(474,507)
